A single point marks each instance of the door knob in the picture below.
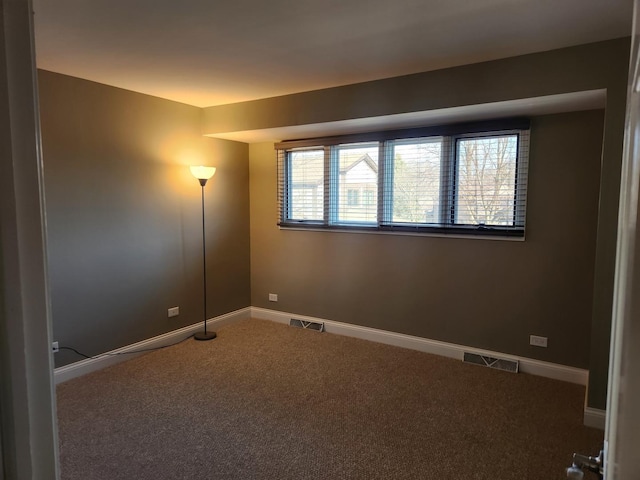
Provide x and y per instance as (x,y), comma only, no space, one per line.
(584,462)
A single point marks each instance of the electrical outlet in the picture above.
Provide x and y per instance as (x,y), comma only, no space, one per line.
(54,347)
(173,312)
(273,297)
(537,341)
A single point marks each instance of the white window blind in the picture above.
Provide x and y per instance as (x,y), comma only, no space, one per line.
(463,179)
(355,183)
(486,171)
(413,190)
(303,196)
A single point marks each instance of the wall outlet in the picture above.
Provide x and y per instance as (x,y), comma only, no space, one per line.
(538,341)
(54,347)
(173,312)
(273,297)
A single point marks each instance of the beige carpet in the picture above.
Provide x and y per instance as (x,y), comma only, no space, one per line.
(268,401)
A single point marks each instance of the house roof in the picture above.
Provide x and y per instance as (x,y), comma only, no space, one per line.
(364,158)
(313,175)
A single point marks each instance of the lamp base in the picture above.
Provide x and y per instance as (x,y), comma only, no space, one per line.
(205,336)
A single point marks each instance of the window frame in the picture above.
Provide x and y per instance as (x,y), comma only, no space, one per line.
(286,195)
(334,200)
(450,136)
(519,193)
(389,178)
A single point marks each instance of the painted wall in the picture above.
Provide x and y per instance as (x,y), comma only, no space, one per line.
(124,215)
(483,293)
(601,65)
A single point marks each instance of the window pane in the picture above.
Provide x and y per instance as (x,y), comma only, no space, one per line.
(486,180)
(357,183)
(416,181)
(306,185)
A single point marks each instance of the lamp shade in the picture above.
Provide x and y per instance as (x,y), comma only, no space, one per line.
(203,173)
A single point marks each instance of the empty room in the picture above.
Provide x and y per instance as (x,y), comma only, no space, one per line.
(318,240)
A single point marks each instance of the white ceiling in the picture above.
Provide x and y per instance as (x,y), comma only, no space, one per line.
(208,52)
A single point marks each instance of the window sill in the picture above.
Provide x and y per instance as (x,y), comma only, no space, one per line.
(439,232)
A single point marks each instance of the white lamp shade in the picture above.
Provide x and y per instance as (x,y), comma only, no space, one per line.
(203,173)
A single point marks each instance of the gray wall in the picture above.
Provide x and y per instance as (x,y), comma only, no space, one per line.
(483,293)
(601,65)
(124,215)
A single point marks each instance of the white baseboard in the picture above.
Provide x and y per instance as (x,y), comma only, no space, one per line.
(451,350)
(62,374)
(594,417)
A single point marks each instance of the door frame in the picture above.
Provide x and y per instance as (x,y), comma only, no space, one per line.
(622,432)
(27,403)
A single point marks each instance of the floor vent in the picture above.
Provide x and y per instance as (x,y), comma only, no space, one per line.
(317,326)
(499,363)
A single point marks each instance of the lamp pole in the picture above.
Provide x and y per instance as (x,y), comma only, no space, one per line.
(203,174)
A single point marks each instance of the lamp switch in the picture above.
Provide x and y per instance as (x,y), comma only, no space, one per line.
(173,312)
(273,297)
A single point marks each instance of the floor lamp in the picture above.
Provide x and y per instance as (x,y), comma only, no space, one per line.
(203,174)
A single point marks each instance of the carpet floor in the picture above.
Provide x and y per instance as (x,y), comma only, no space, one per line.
(268,401)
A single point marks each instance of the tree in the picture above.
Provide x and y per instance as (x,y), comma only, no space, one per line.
(416,182)
(486,180)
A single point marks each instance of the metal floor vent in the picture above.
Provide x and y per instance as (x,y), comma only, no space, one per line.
(318,327)
(499,363)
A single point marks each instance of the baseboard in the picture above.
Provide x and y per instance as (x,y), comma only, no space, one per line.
(62,374)
(451,350)
(594,417)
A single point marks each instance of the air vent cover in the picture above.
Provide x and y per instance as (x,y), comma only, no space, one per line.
(317,326)
(485,361)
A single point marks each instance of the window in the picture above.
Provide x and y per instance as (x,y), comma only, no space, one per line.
(415,190)
(357,170)
(486,180)
(369,197)
(305,185)
(461,179)
(353,197)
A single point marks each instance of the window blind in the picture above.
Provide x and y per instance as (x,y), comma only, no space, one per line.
(354,182)
(465,180)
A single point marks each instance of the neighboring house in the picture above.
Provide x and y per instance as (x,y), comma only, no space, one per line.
(307,187)
(358,188)
(358,180)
